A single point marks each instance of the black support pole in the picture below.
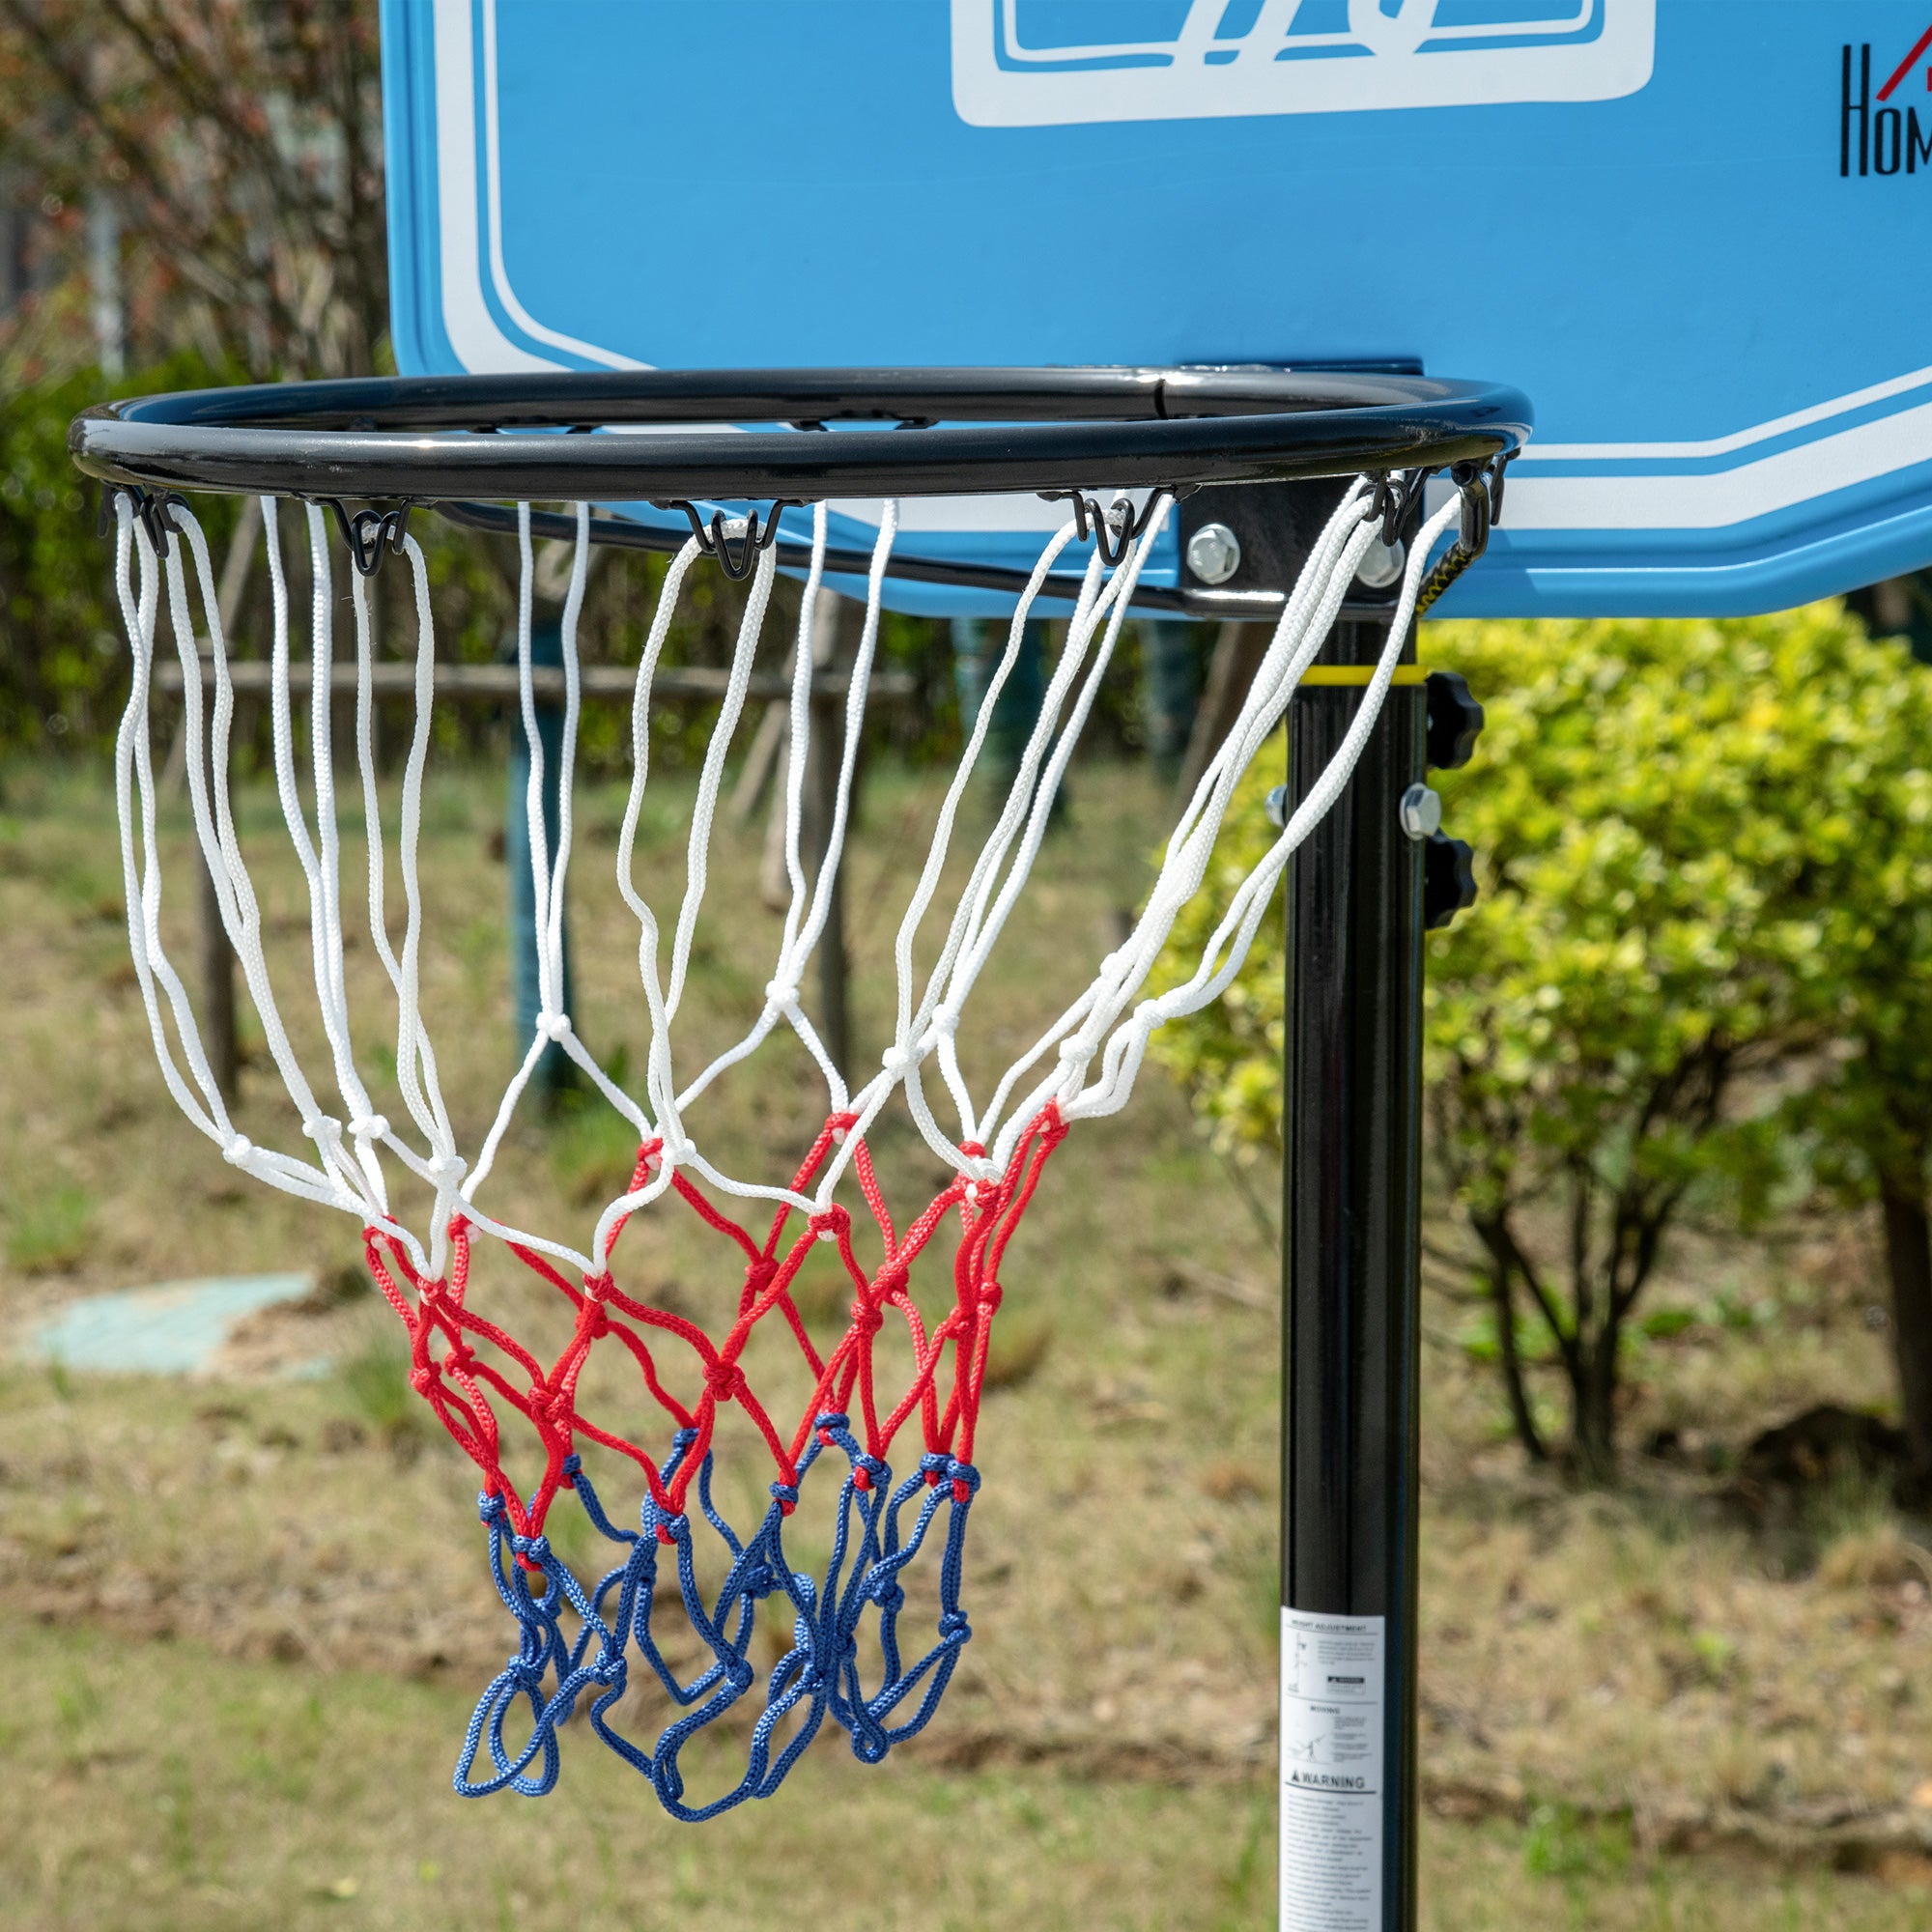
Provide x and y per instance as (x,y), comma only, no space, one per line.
(1350,1271)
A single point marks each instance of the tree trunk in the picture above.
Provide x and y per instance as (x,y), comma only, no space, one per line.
(1593,1389)
(1509,1358)
(1238,650)
(1908,1258)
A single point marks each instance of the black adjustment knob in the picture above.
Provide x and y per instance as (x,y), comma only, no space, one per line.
(1448,877)
(1454,721)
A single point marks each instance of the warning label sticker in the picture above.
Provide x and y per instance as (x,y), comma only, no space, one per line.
(1331,1773)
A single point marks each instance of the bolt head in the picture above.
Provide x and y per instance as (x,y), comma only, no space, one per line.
(1420,811)
(1275,805)
(1213,554)
(1381,565)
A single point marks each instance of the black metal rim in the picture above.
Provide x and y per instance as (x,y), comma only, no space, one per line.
(954,432)
(794,554)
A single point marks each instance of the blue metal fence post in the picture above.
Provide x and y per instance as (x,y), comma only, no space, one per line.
(1170,691)
(553,1071)
(978,645)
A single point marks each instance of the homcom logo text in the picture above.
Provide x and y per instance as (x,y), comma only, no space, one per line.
(1876,137)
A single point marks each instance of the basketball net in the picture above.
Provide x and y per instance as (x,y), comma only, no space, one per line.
(842,1649)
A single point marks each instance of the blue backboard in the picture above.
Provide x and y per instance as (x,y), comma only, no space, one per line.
(1693,230)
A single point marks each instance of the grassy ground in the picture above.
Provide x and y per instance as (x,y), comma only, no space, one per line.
(249,1615)
(158,1787)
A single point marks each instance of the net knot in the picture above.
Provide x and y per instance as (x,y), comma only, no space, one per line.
(867,1317)
(933,1465)
(829,1223)
(725,1379)
(946,1020)
(991,1294)
(368,1127)
(445,1170)
(674,1150)
(782,994)
(534,1550)
(953,1628)
(975,1169)
(422,1380)
(899,1061)
(673,1530)
(965,1481)
(786,1495)
(571,1467)
(554,1026)
(238,1151)
(527,1673)
(869,1472)
(490,1507)
(1076,1049)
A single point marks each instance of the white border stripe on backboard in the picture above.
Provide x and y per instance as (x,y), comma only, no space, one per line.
(1737,495)
(480,345)
(1724,445)
(499,275)
(1713,500)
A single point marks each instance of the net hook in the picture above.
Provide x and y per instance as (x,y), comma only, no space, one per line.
(1472,479)
(154,507)
(1396,503)
(716,539)
(370,533)
(1481,485)
(1116,526)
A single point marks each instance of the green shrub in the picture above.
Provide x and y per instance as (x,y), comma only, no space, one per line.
(1654,810)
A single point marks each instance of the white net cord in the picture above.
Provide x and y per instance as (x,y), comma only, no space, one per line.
(1084,1064)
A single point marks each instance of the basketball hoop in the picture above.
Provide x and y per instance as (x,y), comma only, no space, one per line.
(1120,446)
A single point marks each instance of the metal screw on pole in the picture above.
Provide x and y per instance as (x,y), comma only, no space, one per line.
(1213,554)
(1382,564)
(1275,805)
(1420,811)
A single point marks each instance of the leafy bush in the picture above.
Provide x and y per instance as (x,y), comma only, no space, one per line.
(62,658)
(1654,810)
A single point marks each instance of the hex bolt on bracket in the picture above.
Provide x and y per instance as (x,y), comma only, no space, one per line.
(1420,811)
(1213,554)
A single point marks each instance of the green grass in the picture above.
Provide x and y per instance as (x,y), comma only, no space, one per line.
(152,1789)
(375,1382)
(247,1622)
(49,1230)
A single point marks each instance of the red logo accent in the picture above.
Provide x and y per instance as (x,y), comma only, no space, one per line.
(1906,65)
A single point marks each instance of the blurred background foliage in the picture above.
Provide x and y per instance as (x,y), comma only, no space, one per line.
(1700,973)
(1701,968)
(194,196)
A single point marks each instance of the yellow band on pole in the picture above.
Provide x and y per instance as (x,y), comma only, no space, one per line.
(1360,674)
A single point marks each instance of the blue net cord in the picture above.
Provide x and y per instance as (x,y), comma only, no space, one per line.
(577,1643)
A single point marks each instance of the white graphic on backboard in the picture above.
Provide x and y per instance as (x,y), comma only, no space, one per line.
(1049,63)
